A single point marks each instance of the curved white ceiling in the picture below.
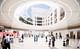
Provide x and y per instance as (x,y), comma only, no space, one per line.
(71,7)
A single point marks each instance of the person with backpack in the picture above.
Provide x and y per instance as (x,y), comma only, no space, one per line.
(7,38)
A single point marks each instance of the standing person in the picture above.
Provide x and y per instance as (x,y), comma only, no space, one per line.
(7,38)
(11,38)
(56,35)
(64,44)
(67,39)
(53,41)
(3,43)
(46,39)
(34,38)
(67,42)
(22,37)
(49,42)
(74,36)
(37,37)
(60,36)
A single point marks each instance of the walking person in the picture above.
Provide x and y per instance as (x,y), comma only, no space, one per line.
(3,43)
(64,43)
(46,39)
(49,42)
(22,37)
(34,38)
(60,36)
(67,42)
(74,36)
(67,39)
(53,41)
(11,38)
(7,44)
(56,35)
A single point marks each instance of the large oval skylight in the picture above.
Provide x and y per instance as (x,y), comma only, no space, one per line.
(37,9)
(42,14)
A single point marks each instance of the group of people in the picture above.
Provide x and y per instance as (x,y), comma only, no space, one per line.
(6,40)
(60,36)
(36,38)
(21,38)
(52,39)
(66,41)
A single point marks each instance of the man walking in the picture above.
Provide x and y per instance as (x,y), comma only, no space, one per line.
(7,38)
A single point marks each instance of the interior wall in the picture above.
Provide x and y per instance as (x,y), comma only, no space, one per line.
(9,7)
(64,32)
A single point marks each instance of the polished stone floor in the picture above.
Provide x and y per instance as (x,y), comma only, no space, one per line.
(41,44)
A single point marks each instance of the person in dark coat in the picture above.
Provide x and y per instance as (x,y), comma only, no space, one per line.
(56,35)
(46,39)
(49,42)
(67,39)
(60,36)
(53,41)
(22,36)
(67,42)
(3,42)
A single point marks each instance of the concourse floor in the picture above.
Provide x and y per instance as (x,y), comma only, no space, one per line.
(41,44)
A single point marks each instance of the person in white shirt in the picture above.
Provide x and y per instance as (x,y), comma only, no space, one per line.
(7,38)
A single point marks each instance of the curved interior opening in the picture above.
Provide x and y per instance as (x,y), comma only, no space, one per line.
(40,14)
